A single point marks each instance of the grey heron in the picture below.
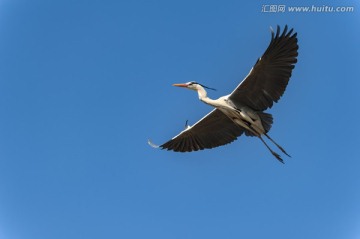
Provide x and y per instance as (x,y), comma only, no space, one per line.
(242,111)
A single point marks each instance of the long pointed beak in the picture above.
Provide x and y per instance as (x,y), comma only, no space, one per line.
(181,85)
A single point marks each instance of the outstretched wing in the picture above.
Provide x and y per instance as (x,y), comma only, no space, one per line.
(213,130)
(270,75)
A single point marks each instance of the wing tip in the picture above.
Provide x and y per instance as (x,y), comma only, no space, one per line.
(285,33)
(155,146)
(272,32)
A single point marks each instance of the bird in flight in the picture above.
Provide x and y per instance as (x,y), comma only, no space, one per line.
(242,111)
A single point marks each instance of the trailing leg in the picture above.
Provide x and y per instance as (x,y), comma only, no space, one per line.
(273,153)
(281,148)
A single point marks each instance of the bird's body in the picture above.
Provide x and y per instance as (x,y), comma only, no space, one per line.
(240,115)
(242,111)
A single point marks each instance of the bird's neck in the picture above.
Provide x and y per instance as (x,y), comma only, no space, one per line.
(204,98)
(202,93)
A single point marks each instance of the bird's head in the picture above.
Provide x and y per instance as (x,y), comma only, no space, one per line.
(192,85)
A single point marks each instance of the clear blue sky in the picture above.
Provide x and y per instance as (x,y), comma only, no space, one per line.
(84,84)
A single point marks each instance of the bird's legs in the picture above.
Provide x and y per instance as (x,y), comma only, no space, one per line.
(273,153)
(281,148)
(267,146)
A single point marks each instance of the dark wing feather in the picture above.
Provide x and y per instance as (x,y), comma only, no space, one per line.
(270,75)
(213,130)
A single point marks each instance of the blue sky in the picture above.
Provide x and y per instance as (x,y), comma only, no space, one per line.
(84,84)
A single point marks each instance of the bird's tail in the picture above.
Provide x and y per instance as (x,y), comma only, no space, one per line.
(266,120)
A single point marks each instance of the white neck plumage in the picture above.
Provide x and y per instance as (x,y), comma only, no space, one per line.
(204,98)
